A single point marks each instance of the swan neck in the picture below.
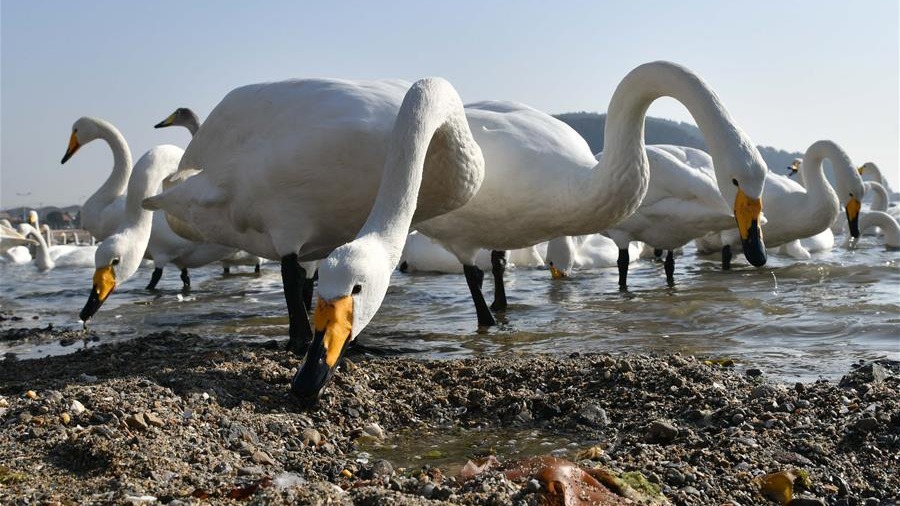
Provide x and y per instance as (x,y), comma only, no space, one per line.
(812,171)
(429,107)
(117,182)
(879,196)
(193,124)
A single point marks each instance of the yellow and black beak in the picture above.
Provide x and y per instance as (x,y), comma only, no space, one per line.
(861,170)
(853,208)
(748,212)
(556,273)
(166,122)
(104,283)
(73,147)
(333,329)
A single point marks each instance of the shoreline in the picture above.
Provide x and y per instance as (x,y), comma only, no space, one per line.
(178,418)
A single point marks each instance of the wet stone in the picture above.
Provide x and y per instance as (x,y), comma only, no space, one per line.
(592,414)
(754,372)
(382,469)
(661,431)
(136,421)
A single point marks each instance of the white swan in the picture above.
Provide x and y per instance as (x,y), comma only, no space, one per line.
(188,119)
(870,169)
(14,245)
(49,257)
(532,157)
(102,211)
(422,254)
(317,150)
(119,255)
(594,251)
(798,211)
(889,227)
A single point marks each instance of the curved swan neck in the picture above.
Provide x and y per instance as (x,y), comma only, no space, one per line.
(117,181)
(430,106)
(879,196)
(889,226)
(624,133)
(42,255)
(812,173)
(192,123)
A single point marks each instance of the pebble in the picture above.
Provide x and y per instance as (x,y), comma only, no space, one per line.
(31,394)
(737,419)
(661,431)
(866,424)
(802,403)
(311,437)
(288,480)
(382,468)
(754,372)
(76,407)
(136,421)
(153,419)
(762,391)
(532,486)
(374,430)
(65,418)
(249,470)
(593,414)
(261,457)
(805,501)
(427,490)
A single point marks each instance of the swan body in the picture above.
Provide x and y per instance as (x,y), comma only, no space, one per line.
(593,251)
(140,231)
(102,211)
(49,257)
(14,245)
(422,254)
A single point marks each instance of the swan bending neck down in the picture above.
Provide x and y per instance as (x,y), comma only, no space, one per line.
(889,226)
(531,156)
(354,278)
(879,195)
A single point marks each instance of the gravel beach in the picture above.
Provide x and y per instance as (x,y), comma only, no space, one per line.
(181,419)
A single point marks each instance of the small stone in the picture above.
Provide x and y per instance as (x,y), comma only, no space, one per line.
(136,421)
(76,407)
(770,423)
(154,420)
(661,431)
(593,414)
(675,477)
(754,372)
(346,473)
(31,394)
(374,430)
(441,494)
(87,378)
(288,480)
(222,468)
(382,469)
(805,501)
(762,391)
(311,437)
(65,418)
(690,491)
(737,419)
(261,457)
(427,490)
(802,403)
(249,470)
(866,424)
(533,486)
(872,501)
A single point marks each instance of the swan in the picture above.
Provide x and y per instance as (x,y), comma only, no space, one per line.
(102,211)
(422,254)
(354,278)
(807,209)
(119,255)
(873,170)
(188,119)
(533,157)
(889,227)
(593,251)
(317,150)
(14,245)
(49,257)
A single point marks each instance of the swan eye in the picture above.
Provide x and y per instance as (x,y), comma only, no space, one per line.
(356,289)
(115,261)
(851,194)
(734,182)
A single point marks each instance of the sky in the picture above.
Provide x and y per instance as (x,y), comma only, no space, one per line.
(789,72)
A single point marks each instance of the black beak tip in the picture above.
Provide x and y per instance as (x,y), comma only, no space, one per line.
(91,307)
(854,229)
(161,124)
(754,248)
(65,158)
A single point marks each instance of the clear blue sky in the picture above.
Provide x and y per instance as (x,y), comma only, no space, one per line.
(790,72)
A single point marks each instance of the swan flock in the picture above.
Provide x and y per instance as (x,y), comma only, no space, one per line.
(345,181)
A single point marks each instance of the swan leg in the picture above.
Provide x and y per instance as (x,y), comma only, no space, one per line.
(622,262)
(670,267)
(226,270)
(154,278)
(475,278)
(292,277)
(186,280)
(256,269)
(498,267)
(726,257)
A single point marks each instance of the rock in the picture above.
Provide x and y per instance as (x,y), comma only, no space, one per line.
(31,394)
(288,480)
(261,457)
(661,431)
(533,486)
(65,418)
(154,420)
(140,499)
(427,490)
(871,501)
(866,424)
(593,414)
(805,501)
(374,430)
(311,437)
(76,407)
(675,477)
(869,373)
(250,471)
(25,417)
(136,421)
(754,372)
(382,469)
(762,391)
(737,419)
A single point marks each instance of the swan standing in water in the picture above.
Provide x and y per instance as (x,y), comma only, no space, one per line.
(14,245)
(804,210)
(592,251)
(318,150)
(48,257)
(422,254)
(533,157)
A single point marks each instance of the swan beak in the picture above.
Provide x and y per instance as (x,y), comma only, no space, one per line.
(73,147)
(166,122)
(332,321)
(104,283)
(861,170)
(748,212)
(556,273)
(853,208)
(791,172)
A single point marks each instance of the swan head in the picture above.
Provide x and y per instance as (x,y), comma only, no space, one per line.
(745,191)
(113,265)
(353,281)
(181,117)
(32,218)
(794,167)
(84,130)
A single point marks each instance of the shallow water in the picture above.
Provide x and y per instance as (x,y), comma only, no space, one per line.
(793,319)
